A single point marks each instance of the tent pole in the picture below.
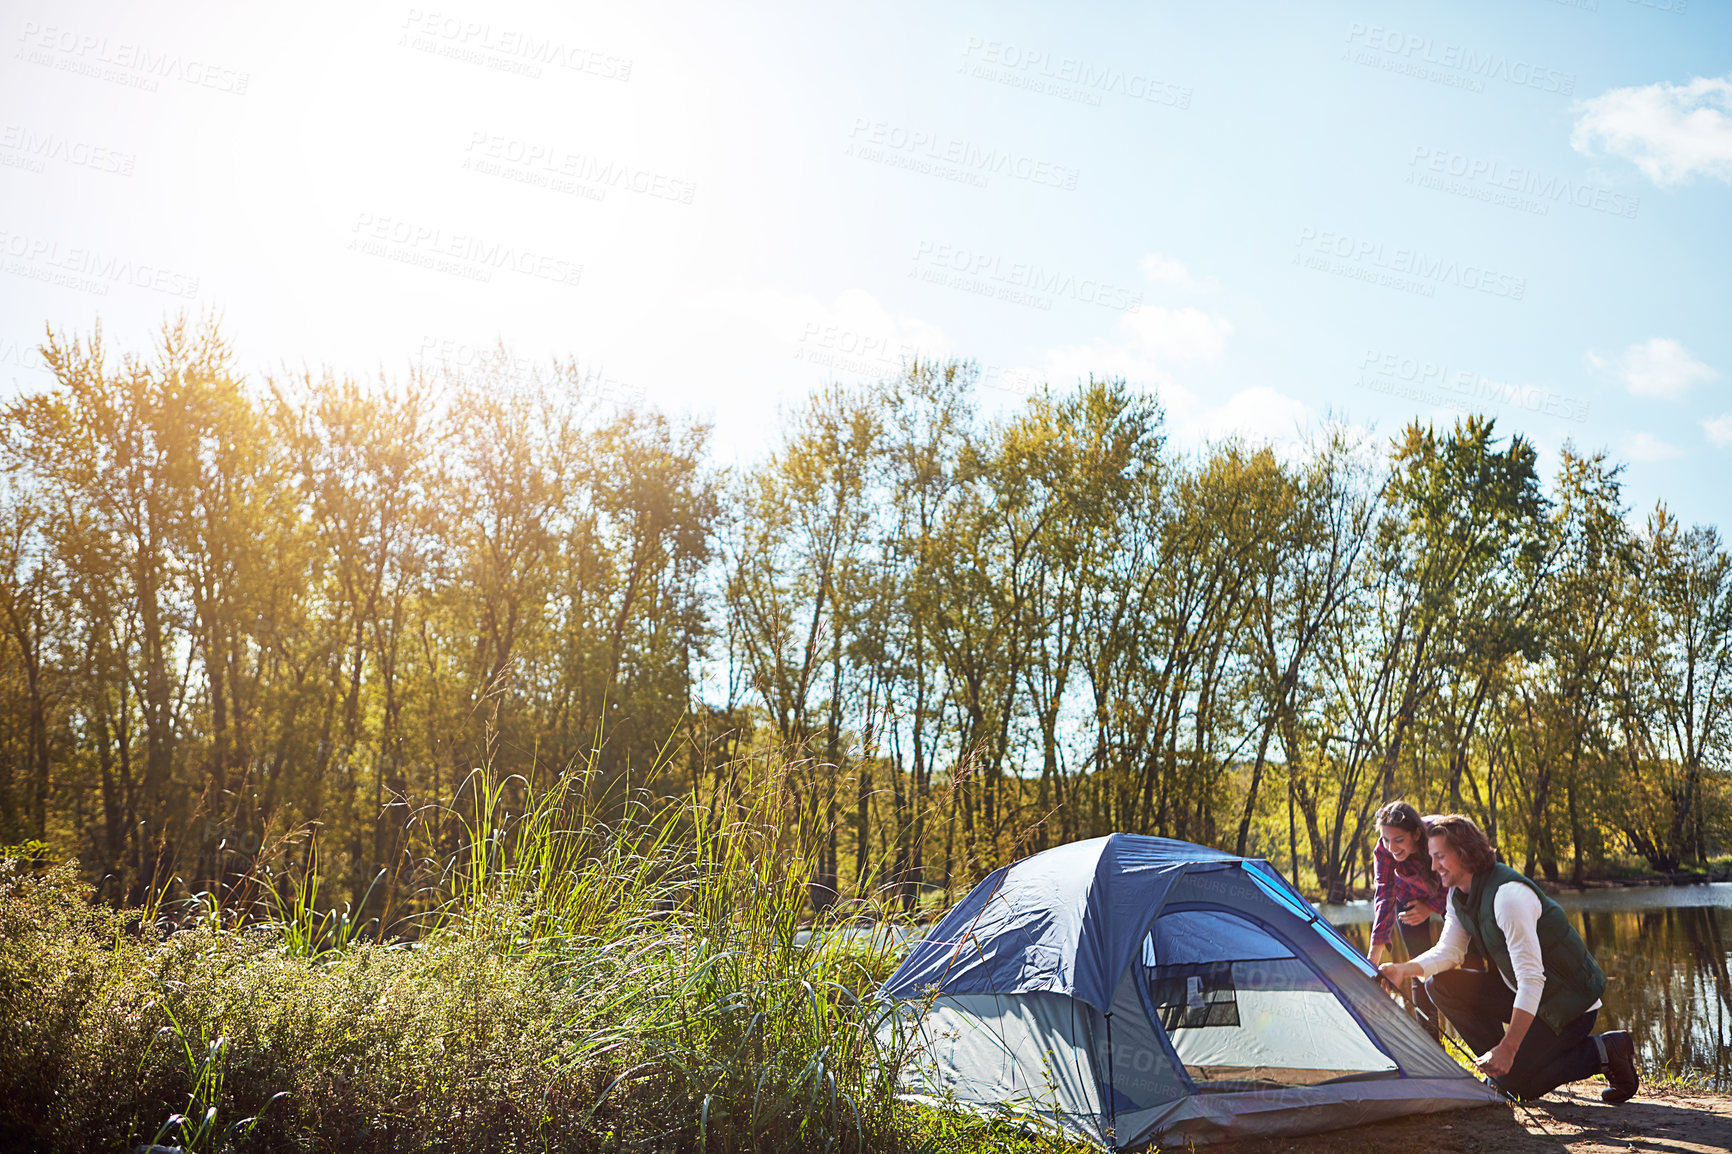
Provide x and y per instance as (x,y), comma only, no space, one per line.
(1112,1091)
(1451,1043)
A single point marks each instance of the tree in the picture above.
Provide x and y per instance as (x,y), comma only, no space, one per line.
(1305,578)
(802,524)
(1678,688)
(1559,699)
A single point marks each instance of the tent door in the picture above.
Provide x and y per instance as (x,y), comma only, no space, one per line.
(1243,1009)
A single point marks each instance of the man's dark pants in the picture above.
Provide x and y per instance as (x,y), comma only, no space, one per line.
(1478,1005)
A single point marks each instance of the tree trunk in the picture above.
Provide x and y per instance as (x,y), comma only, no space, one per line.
(863,830)
(39,780)
(1578,875)
(1251,794)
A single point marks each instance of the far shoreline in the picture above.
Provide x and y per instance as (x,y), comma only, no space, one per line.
(1683,881)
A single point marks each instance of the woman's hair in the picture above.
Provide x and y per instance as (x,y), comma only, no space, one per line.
(1399,815)
(1403,817)
(1466,839)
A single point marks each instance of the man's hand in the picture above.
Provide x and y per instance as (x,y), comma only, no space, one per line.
(1398,974)
(1415,915)
(1496,1062)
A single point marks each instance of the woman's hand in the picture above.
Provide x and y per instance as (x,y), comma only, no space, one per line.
(1415,915)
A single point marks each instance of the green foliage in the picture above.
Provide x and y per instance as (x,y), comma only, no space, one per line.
(35,856)
(309,932)
(202,1127)
(256,635)
(642,984)
(241,619)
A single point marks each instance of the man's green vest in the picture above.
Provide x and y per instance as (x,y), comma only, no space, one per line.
(1574,980)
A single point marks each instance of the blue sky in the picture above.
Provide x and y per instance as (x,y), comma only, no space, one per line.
(1270,214)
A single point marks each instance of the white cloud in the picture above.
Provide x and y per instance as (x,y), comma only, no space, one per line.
(1259,415)
(741,350)
(1719,430)
(853,337)
(1646,447)
(1187,334)
(855,323)
(1150,339)
(1670,131)
(1146,348)
(1170,271)
(1658,367)
(1146,345)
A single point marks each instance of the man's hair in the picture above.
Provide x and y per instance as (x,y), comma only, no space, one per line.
(1466,839)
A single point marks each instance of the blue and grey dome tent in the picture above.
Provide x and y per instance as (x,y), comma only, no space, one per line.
(1137,989)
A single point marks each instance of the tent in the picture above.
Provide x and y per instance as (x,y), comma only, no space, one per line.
(1139,989)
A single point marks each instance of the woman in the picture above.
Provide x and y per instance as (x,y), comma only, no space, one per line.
(1405,893)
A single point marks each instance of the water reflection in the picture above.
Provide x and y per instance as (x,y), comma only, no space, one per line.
(1665,954)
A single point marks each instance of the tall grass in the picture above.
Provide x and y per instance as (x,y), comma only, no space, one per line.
(633,983)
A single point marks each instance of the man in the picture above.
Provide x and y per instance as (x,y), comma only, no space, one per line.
(1546,985)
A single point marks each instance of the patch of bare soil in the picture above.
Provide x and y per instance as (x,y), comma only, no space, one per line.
(1571,1118)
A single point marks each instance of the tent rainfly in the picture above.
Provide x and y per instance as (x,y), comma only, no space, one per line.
(1139,989)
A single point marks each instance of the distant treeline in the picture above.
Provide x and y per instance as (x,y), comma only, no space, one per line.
(245,617)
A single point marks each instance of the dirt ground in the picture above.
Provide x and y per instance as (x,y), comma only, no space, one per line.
(1571,1118)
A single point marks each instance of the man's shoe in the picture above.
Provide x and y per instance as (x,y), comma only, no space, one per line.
(1620,1068)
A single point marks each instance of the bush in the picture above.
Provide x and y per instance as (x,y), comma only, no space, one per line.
(599,990)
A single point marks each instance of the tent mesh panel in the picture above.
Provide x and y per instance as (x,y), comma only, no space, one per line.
(1194,997)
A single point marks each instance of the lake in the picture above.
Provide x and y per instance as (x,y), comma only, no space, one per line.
(1665,951)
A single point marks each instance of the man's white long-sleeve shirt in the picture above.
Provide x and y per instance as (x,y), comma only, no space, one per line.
(1517,910)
